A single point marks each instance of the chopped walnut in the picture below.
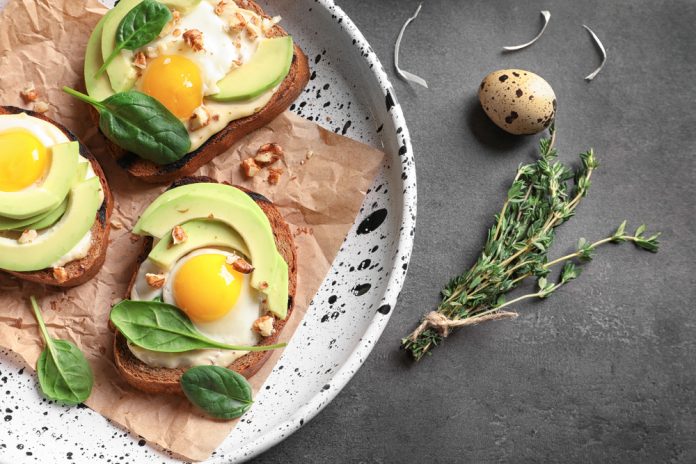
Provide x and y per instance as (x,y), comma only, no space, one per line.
(60,274)
(194,39)
(220,7)
(140,60)
(41,106)
(29,94)
(274,175)
(251,33)
(264,326)
(155,280)
(238,23)
(27,236)
(201,117)
(178,235)
(241,265)
(250,167)
(268,154)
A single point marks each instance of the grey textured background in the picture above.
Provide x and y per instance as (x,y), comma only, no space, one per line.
(603,371)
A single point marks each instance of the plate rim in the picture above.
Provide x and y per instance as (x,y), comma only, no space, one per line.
(397,276)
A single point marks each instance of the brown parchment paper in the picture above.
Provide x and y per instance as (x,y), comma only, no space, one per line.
(43,42)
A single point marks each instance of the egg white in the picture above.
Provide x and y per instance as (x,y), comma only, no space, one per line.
(234,328)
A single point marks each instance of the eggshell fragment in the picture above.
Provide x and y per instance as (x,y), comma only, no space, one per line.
(518,101)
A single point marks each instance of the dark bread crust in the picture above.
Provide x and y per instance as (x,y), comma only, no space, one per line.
(165,380)
(287,92)
(81,270)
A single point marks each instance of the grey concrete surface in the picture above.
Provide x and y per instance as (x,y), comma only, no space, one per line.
(604,370)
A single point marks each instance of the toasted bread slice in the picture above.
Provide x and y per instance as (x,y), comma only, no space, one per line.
(165,380)
(287,92)
(81,270)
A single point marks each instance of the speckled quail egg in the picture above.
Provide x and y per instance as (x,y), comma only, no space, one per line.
(518,101)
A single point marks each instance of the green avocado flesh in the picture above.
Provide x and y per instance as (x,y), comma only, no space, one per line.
(234,208)
(200,233)
(98,87)
(83,203)
(266,69)
(120,71)
(50,193)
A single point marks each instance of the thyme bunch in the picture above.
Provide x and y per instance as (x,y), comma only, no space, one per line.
(541,198)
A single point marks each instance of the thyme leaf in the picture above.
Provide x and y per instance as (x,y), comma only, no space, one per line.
(541,198)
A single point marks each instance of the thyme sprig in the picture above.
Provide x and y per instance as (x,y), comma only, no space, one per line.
(540,199)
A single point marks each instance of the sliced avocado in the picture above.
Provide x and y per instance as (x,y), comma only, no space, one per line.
(201,233)
(51,218)
(83,203)
(97,87)
(203,188)
(266,69)
(122,74)
(238,211)
(47,218)
(49,194)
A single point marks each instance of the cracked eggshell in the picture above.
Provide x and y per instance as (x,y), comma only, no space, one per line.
(518,101)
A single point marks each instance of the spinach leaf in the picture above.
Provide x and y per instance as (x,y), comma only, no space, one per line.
(139,27)
(140,124)
(64,373)
(165,328)
(220,392)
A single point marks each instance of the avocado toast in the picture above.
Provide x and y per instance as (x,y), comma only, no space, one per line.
(54,231)
(221,68)
(243,228)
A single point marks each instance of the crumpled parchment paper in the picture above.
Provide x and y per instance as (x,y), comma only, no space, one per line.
(325,180)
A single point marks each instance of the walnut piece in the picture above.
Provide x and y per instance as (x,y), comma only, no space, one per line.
(194,39)
(41,106)
(241,265)
(268,154)
(201,117)
(60,274)
(178,235)
(155,280)
(264,326)
(140,60)
(274,175)
(220,7)
(29,94)
(250,168)
(27,236)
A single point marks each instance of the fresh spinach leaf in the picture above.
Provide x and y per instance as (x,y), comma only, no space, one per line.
(140,124)
(139,27)
(221,393)
(64,373)
(165,328)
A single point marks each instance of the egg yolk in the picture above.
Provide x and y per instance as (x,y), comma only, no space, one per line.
(206,287)
(23,159)
(175,81)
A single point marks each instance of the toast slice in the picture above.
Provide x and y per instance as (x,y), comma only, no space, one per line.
(165,380)
(291,87)
(81,270)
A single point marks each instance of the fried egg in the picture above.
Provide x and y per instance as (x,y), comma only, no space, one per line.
(179,76)
(25,158)
(25,150)
(219,300)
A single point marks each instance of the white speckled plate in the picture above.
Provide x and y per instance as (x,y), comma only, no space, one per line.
(349,92)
